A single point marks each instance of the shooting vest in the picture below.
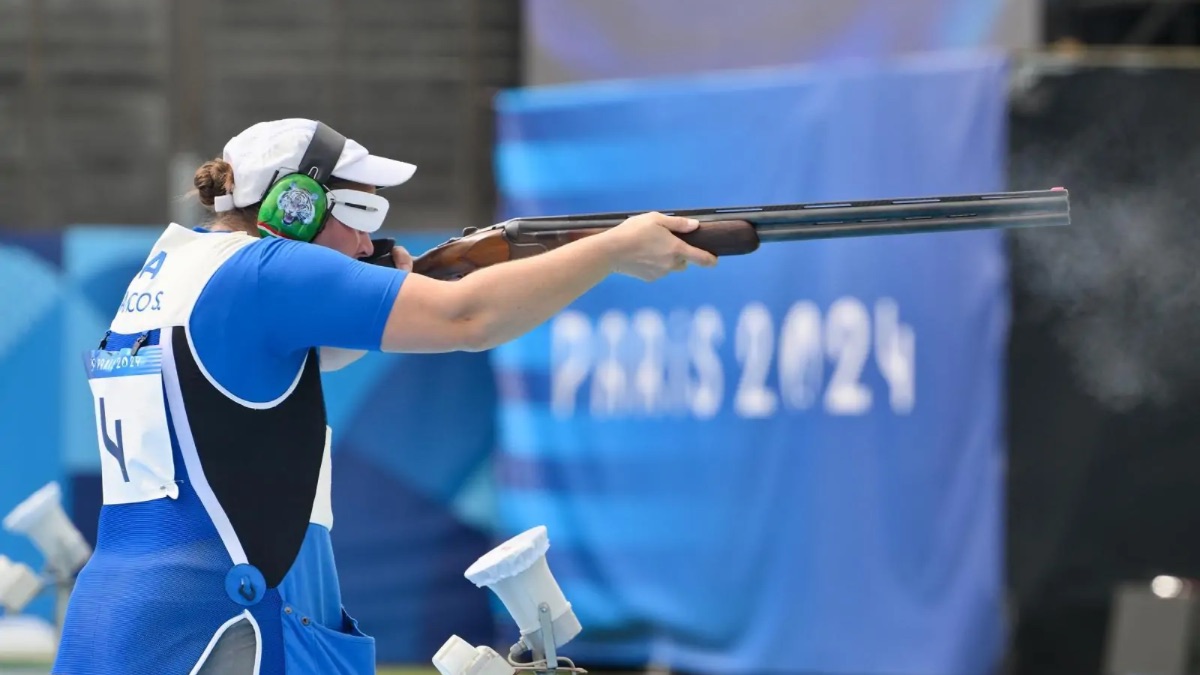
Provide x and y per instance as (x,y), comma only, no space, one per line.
(184,462)
(256,467)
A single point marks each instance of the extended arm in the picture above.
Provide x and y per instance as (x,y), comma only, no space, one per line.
(503,302)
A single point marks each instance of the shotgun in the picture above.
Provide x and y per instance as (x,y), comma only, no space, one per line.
(732,231)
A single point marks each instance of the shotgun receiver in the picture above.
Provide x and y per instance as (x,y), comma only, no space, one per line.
(740,230)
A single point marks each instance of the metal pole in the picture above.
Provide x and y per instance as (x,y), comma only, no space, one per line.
(547,649)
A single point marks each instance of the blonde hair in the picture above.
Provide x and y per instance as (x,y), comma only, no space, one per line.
(213,179)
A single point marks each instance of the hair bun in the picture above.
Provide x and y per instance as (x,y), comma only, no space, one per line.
(213,179)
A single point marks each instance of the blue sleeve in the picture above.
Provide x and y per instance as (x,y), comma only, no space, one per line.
(312,296)
(273,300)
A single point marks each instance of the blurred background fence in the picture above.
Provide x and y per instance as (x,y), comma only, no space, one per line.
(935,454)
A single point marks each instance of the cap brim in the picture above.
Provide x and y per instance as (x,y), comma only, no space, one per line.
(378,171)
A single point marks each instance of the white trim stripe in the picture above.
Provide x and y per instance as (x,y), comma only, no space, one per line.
(322,512)
(187,446)
(247,616)
(258,641)
(265,405)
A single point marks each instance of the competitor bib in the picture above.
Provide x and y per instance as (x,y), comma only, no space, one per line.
(131,425)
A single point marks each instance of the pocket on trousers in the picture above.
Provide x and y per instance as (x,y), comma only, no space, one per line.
(312,649)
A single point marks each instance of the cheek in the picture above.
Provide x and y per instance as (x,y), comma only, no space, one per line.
(338,237)
(351,241)
(348,242)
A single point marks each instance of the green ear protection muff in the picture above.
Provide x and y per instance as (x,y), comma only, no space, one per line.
(296,206)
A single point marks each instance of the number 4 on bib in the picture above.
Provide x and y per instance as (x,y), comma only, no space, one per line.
(131,425)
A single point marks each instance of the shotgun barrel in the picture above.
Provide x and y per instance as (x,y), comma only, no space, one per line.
(788,222)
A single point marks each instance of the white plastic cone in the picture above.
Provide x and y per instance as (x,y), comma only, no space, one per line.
(517,572)
(41,518)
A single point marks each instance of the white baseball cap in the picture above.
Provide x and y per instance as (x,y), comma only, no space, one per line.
(266,150)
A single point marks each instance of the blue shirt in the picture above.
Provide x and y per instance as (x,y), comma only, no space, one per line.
(274,300)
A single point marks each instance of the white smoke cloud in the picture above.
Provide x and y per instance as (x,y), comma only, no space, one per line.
(1124,285)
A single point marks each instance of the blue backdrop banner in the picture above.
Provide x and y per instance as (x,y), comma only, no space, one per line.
(791,463)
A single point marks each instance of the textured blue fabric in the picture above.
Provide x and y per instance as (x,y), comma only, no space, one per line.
(152,595)
(312,584)
(313,649)
(270,623)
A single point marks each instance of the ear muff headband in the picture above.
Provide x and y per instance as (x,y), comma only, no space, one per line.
(296,206)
